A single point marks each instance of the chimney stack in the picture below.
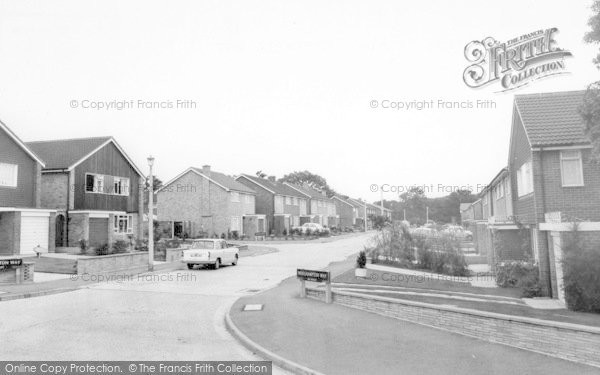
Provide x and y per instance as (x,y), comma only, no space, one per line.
(206,170)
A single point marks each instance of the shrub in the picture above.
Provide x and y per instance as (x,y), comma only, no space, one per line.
(235,234)
(519,274)
(581,269)
(141,245)
(102,249)
(83,246)
(120,247)
(361,259)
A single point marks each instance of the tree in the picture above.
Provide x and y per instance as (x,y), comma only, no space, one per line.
(157,183)
(261,174)
(313,180)
(590,109)
(593,36)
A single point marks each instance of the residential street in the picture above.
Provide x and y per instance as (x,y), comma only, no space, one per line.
(154,319)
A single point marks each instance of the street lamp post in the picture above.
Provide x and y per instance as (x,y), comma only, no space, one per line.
(150,216)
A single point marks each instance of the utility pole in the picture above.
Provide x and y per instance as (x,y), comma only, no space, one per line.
(365,216)
(426,215)
(150,216)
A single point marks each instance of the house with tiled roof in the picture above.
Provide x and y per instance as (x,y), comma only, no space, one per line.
(96,189)
(553,180)
(24,224)
(346,211)
(321,209)
(282,205)
(201,202)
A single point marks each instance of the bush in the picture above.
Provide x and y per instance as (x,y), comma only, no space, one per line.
(120,247)
(102,250)
(519,274)
(361,259)
(83,246)
(141,245)
(581,269)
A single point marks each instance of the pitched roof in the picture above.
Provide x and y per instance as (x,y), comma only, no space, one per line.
(274,187)
(357,203)
(309,191)
(552,119)
(226,181)
(20,143)
(68,153)
(465,206)
(65,152)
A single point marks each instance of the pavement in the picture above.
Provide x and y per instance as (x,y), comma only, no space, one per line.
(333,339)
(174,315)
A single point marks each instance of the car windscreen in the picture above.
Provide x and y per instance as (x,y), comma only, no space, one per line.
(203,245)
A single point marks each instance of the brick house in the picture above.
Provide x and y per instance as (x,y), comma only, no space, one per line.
(24,225)
(282,205)
(554,182)
(321,209)
(201,202)
(493,222)
(346,211)
(95,188)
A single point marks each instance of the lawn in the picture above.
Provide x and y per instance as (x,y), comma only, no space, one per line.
(413,286)
(442,284)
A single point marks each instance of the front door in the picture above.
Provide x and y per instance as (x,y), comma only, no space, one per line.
(60,228)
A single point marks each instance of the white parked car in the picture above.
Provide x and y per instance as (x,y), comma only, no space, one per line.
(423,232)
(210,252)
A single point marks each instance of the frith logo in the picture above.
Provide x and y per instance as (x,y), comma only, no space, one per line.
(514,63)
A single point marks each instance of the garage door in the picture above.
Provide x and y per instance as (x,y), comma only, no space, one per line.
(98,231)
(34,232)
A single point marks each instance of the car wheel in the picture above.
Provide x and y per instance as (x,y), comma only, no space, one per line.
(190,266)
(235,261)
(217,264)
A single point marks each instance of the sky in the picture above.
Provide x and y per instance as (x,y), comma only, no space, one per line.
(279,85)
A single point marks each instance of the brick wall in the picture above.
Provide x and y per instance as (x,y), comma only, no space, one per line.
(523,207)
(566,341)
(10,230)
(78,228)
(580,202)
(346,213)
(264,201)
(55,191)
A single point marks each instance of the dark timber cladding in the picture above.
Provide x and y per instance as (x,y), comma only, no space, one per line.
(110,162)
(24,194)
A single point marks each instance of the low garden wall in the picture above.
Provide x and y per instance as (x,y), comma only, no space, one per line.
(126,263)
(571,342)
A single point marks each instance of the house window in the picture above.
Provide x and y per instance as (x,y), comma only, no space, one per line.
(9,174)
(248,198)
(507,187)
(571,168)
(124,224)
(235,196)
(500,190)
(288,201)
(121,186)
(278,204)
(294,201)
(525,179)
(94,183)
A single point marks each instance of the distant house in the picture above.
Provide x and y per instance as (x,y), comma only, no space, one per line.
(282,205)
(24,225)
(200,202)
(95,188)
(553,181)
(321,209)
(346,211)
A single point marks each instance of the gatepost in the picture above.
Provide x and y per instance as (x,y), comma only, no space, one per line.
(316,276)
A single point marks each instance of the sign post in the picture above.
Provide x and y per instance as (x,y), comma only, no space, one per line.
(316,276)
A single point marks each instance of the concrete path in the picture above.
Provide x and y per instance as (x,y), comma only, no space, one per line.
(333,339)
